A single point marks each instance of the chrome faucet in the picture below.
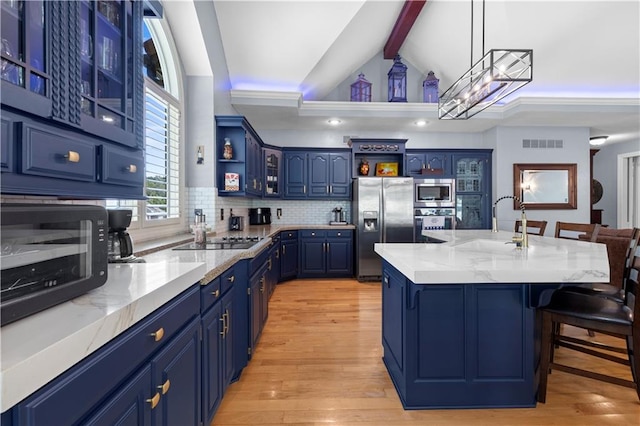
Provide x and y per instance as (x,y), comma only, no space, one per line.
(522,241)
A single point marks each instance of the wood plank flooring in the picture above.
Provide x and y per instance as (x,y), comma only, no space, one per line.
(319,361)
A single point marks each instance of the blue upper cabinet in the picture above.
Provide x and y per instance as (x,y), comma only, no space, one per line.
(429,164)
(272,167)
(72,78)
(473,189)
(239,158)
(317,174)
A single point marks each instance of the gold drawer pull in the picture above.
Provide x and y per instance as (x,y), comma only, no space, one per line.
(154,401)
(158,334)
(132,168)
(232,278)
(72,157)
(216,293)
(165,386)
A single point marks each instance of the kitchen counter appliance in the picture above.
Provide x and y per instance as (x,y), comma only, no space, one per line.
(51,253)
(119,241)
(382,211)
(260,216)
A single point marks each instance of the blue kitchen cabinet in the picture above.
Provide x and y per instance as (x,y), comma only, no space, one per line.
(245,162)
(429,164)
(261,270)
(458,345)
(473,189)
(224,341)
(272,166)
(6,147)
(295,174)
(273,264)
(317,174)
(326,253)
(288,255)
(155,365)
(73,75)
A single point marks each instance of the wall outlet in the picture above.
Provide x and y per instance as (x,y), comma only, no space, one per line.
(279,213)
(221,214)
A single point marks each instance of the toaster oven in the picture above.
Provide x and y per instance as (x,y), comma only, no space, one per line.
(51,253)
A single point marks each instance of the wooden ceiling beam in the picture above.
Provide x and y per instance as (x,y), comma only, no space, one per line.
(410,11)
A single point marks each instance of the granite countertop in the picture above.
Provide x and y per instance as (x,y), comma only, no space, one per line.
(40,347)
(482,256)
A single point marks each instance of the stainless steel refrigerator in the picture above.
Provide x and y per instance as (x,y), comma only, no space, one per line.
(382,210)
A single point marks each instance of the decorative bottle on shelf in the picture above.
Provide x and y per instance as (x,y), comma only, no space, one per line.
(228,149)
(364,167)
(200,230)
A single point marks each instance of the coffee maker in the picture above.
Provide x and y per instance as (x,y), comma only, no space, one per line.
(118,240)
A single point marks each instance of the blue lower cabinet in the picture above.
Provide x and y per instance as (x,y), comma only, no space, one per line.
(110,385)
(224,335)
(212,329)
(176,379)
(326,253)
(458,345)
(288,255)
(129,406)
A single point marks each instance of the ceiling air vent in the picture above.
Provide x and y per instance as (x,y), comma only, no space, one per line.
(542,143)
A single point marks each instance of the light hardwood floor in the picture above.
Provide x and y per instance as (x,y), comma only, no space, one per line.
(319,362)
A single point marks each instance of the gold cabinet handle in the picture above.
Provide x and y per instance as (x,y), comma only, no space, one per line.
(304,189)
(232,278)
(284,249)
(158,334)
(327,247)
(154,401)
(269,267)
(224,329)
(132,168)
(227,321)
(277,254)
(72,156)
(262,284)
(165,386)
(216,293)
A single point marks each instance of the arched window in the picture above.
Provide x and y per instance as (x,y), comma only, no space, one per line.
(160,214)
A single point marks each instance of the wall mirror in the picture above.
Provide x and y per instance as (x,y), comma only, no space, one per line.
(545,186)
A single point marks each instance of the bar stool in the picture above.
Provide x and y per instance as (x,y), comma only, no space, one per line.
(599,314)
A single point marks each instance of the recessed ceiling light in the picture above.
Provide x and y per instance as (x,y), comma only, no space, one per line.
(598,140)
(421,123)
(334,121)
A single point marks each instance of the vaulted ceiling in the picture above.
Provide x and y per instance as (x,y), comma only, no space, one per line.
(283,57)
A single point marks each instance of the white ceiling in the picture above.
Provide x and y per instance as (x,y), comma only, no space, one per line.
(285,57)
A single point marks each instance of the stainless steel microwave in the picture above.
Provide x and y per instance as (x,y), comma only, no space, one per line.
(434,192)
(51,253)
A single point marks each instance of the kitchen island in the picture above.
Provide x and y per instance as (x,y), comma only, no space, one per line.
(459,328)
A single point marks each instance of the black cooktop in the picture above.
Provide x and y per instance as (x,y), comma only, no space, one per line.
(224,243)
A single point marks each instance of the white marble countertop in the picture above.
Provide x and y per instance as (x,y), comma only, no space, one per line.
(36,349)
(482,256)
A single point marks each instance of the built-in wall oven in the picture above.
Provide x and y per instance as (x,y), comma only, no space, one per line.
(434,193)
(432,219)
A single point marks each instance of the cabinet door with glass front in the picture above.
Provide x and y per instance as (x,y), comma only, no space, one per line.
(272,173)
(24,67)
(473,189)
(111,82)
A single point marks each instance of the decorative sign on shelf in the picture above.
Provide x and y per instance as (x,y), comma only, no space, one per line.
(232,182)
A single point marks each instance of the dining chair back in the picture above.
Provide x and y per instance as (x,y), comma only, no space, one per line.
(573,231)
(534,227)
(599,314)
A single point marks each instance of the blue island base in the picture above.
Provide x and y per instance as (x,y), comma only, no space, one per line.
(459,345)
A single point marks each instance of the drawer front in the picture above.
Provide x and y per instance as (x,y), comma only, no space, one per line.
(288,235)
(122,167)
(313,233)
(210,294)
(227,280)
(81,388)
(339,234)
(46,153)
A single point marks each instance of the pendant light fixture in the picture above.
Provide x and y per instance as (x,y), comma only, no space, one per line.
(499,73)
